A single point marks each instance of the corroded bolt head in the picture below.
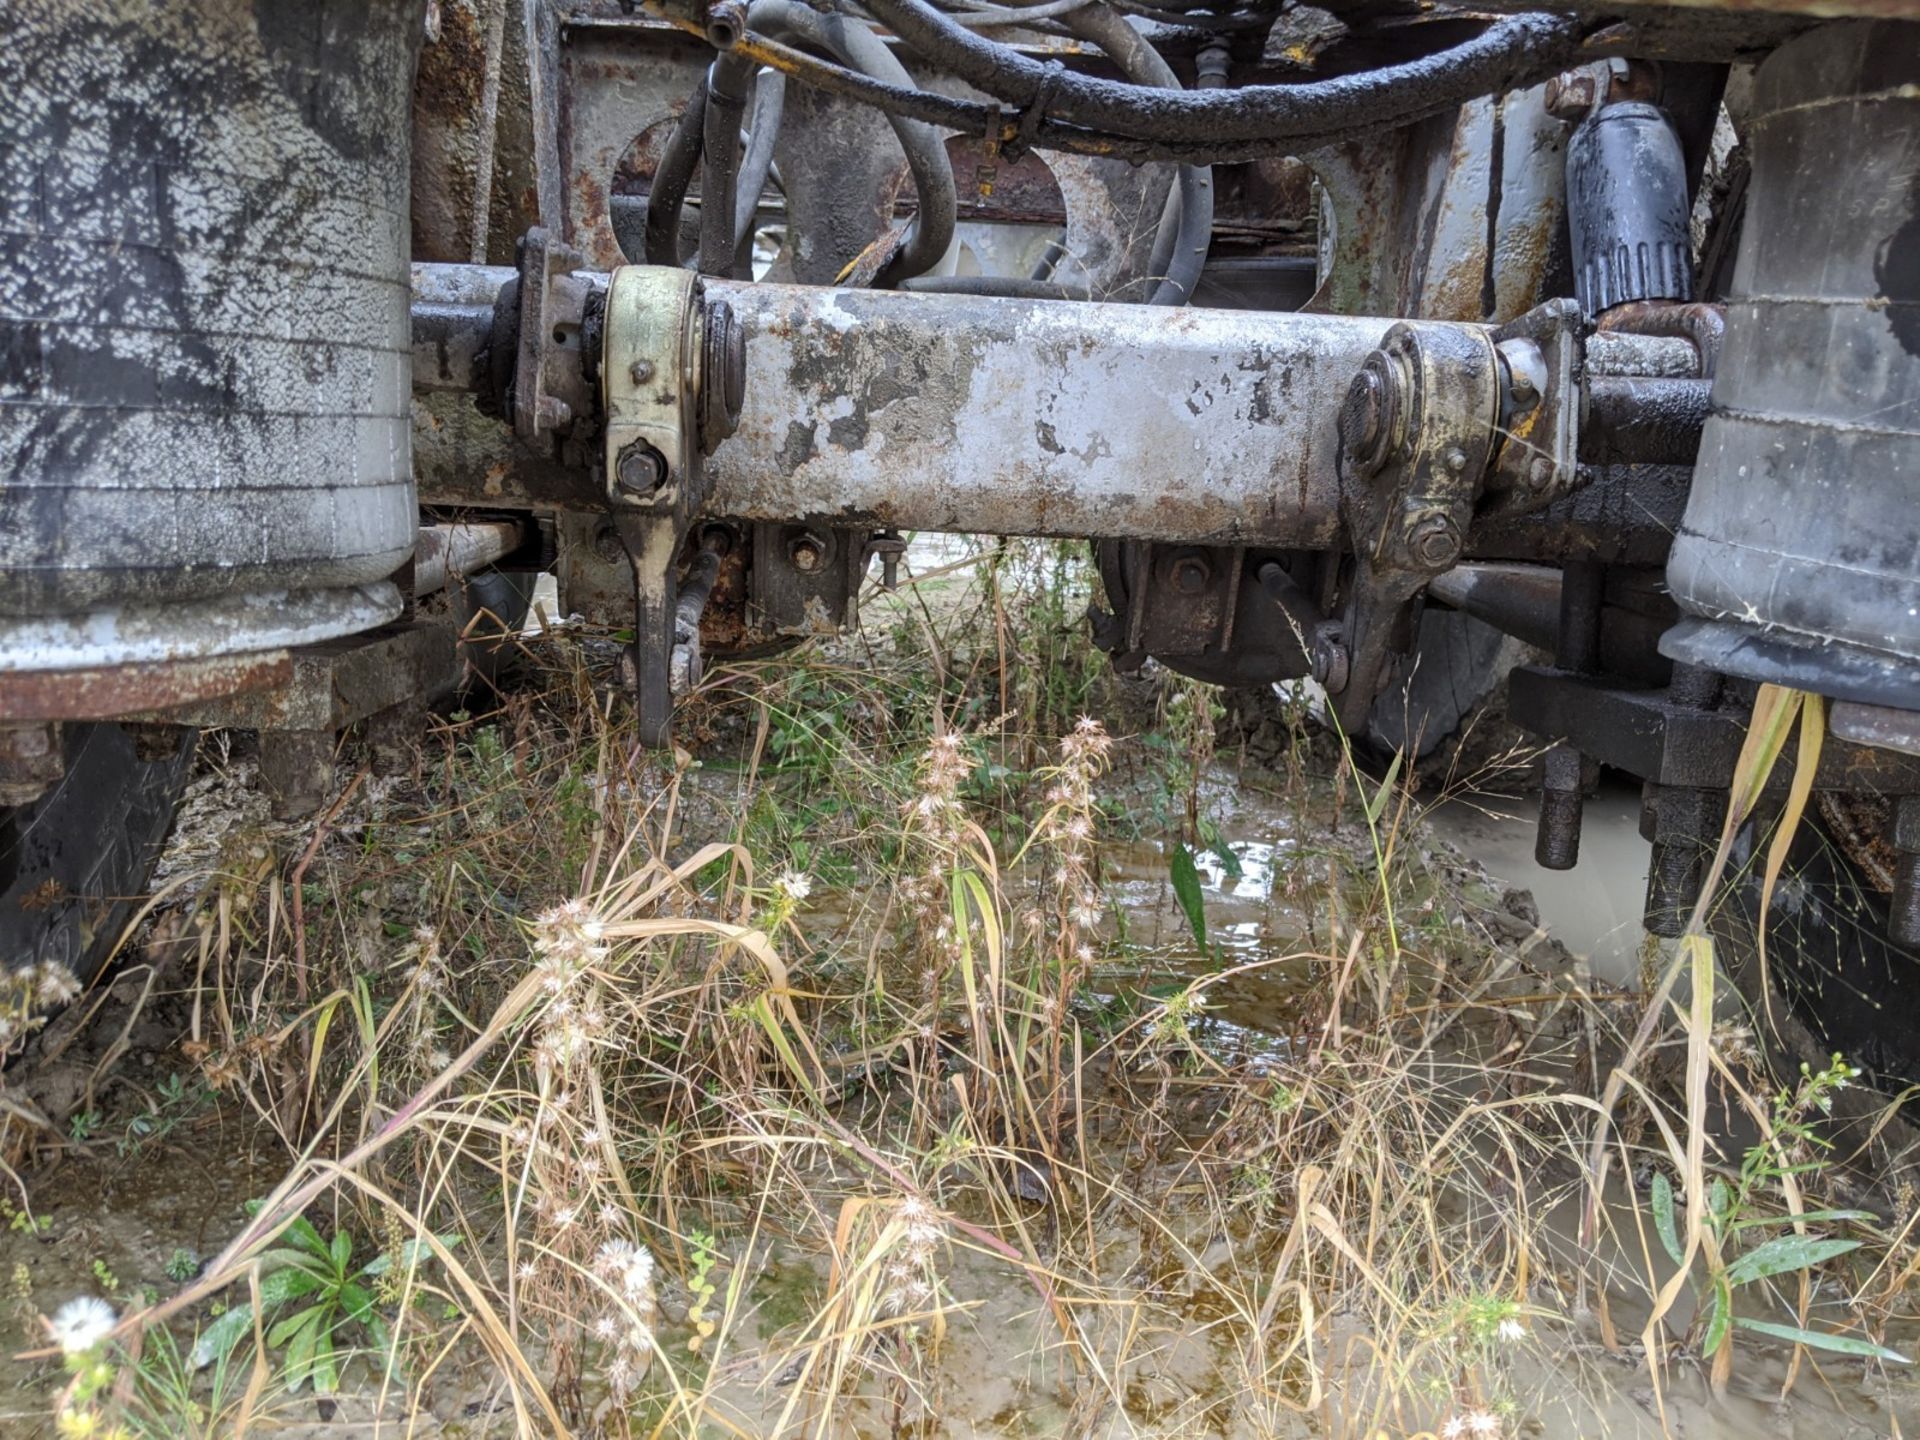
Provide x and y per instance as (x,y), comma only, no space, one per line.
(1539,474)
(1191,574)
(641,469)
(640,371)
(807,552)
(1432,539)
(1570,95)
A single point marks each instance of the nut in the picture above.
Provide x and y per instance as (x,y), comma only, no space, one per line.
(641,371)
(641,469)
(1432,539)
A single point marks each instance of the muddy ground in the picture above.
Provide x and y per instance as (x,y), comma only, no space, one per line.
(154,1168)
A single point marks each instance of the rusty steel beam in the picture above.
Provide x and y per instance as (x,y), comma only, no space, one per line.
(1033,417)
(100,692)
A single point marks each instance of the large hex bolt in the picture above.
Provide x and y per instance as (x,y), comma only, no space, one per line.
(1432,538)
(640,470)
(1904,925)
(1556,843)
(32,761)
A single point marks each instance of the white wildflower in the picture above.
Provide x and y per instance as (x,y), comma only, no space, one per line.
(54,984)
(1512,1331)
(794,885)
(81,1324)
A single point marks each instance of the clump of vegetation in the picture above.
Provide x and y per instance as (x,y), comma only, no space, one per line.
(793,1082)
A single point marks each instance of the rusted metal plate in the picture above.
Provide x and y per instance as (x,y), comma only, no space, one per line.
(456,97)
(942,412)
(337,683)
(155,688)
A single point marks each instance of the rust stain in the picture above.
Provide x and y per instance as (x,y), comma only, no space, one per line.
(102,692)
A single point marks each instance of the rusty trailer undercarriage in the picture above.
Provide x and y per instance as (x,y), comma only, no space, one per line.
(1346,336)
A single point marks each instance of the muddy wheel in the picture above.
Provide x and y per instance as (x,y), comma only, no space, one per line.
(74,864)
(1448,713)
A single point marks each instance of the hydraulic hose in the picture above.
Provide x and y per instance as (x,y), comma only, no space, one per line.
(1188,230)
(729,87)
(1515,51)
(855,45)
(769,103)
(972,117)
(668,195)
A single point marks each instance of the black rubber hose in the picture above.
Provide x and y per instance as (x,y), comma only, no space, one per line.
(854,44)
(668,195)
(729,87)
(972,117)
(1187,231)
(1519,50)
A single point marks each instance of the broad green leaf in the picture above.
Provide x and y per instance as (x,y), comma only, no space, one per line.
(288,1284)
(1719,1317)
(1719,1201)
(1785,1253)
(1220,850)
(342,1250)
(285,1257)
(1823,1340)
(216,1342)
(1186,890)
(302,1233)
(284,1332)
(326,1374)
(300,1348)
(356,1302)
(1663,1218)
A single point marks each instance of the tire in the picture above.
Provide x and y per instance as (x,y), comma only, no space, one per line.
(74,865)
(1449,712)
